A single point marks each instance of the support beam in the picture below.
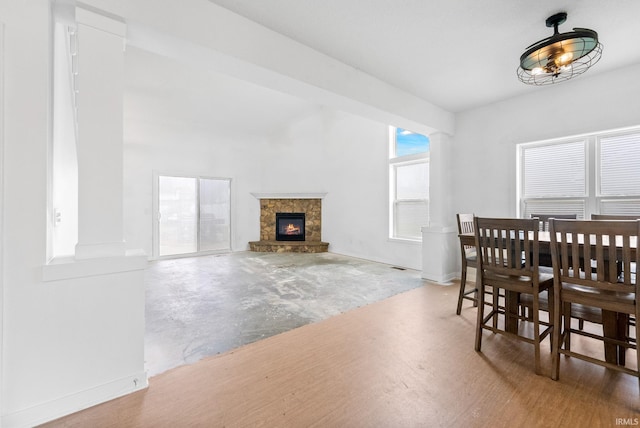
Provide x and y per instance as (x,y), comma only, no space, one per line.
(100,135)
(221,41)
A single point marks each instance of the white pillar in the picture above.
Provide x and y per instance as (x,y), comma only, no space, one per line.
(439,239)
(101,42)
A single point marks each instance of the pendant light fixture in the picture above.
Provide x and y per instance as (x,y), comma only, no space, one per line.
(561,56)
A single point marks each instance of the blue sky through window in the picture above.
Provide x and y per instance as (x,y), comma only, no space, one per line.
(410,143)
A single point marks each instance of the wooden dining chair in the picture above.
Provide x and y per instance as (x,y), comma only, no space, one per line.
(508,251)
(614,217)
(544,219)
(587,274)
(632,320)
(526,303)
(468,260)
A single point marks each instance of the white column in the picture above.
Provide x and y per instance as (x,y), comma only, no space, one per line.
(440,181)
(439,239)
(100,135)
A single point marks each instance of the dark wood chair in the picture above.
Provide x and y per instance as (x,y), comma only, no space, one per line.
(614,217)
(544,220)
(632,320)
(526,303)
(545,259)
(588,275)
(508,251)
(469,260)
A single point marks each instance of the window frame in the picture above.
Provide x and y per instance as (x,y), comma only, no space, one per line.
(593,201)
(400,161)
(156,216)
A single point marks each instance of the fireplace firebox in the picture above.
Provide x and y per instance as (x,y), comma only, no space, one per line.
(290,226)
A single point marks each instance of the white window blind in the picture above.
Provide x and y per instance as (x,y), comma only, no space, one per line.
(554,170)
(410,217)
(554,206)
(412,181)
(620,206)
(620,165)
(597,173)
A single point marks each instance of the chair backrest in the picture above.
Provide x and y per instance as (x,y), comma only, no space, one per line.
(507,247)
(614,217)
(465,223)
(544,219)
(598,265)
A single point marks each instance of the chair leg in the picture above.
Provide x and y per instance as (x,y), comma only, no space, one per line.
(536,333)
(463,286)
(551,312)
(566,335)
(557,332)
(496,303)
(480,316)
(637,344)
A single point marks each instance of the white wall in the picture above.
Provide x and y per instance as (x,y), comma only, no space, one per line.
(334,152)
(346,156)
(67,343)
(484,145)
(219,156)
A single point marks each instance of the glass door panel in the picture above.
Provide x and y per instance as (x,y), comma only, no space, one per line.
(214,214)
(178,215)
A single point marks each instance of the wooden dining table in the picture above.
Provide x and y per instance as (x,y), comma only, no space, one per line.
(613,323)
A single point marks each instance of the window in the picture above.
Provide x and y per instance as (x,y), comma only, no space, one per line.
(193,215)
(63,176)
(409,183)
(596,173)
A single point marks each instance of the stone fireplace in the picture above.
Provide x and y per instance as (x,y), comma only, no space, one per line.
(300,232)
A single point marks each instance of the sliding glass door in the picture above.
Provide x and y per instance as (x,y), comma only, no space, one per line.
(193,215)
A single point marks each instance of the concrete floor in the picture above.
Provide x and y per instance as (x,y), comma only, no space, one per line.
(201,306)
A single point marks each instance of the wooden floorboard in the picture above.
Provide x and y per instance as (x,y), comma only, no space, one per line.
(407,361)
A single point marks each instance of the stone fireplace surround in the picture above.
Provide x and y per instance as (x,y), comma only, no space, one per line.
(272,203)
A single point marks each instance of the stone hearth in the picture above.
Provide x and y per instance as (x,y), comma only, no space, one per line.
(269,206)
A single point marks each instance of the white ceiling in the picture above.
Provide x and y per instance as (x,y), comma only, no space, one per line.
(455,54)
(164,95)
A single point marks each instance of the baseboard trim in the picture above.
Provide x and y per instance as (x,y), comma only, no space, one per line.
(72,403)
(438,278)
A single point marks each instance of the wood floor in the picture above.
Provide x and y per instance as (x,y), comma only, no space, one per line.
(407,361)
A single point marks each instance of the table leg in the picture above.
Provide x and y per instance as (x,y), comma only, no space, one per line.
(511,308)
(622,334)
(610,329)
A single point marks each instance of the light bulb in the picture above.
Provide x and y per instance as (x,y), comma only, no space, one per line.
(564,59)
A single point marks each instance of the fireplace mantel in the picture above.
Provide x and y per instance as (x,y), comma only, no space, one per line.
(283,195)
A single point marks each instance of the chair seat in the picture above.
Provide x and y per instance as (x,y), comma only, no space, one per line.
(512,282)
(578,311)
(611,300)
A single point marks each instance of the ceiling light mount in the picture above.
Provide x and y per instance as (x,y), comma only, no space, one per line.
(561,56)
